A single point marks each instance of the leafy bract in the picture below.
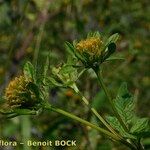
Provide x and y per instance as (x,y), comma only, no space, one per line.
(71,49)
(112,39)
(29,70)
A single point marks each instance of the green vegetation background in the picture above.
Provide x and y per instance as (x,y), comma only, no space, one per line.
(31,27)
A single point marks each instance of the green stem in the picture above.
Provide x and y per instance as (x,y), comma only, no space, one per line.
(25,127)
(94,111)
(99,76)
(67,114)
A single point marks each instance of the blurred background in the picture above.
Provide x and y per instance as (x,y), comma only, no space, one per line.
(31,29)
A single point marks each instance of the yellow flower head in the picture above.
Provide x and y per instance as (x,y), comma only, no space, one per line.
(18,95)
(91,46)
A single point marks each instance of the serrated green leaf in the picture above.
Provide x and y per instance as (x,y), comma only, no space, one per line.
(116,125)
(29,70)
(124,104)
(140,125)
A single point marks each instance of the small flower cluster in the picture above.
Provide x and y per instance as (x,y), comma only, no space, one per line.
(17,93)
(90,45)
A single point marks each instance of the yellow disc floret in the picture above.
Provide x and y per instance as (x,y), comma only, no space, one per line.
(91,46)
(17,94)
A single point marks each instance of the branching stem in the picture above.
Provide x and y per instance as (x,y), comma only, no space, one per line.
(94,111)
(67,114)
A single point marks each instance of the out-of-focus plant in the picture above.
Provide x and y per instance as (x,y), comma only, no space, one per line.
(28,93)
